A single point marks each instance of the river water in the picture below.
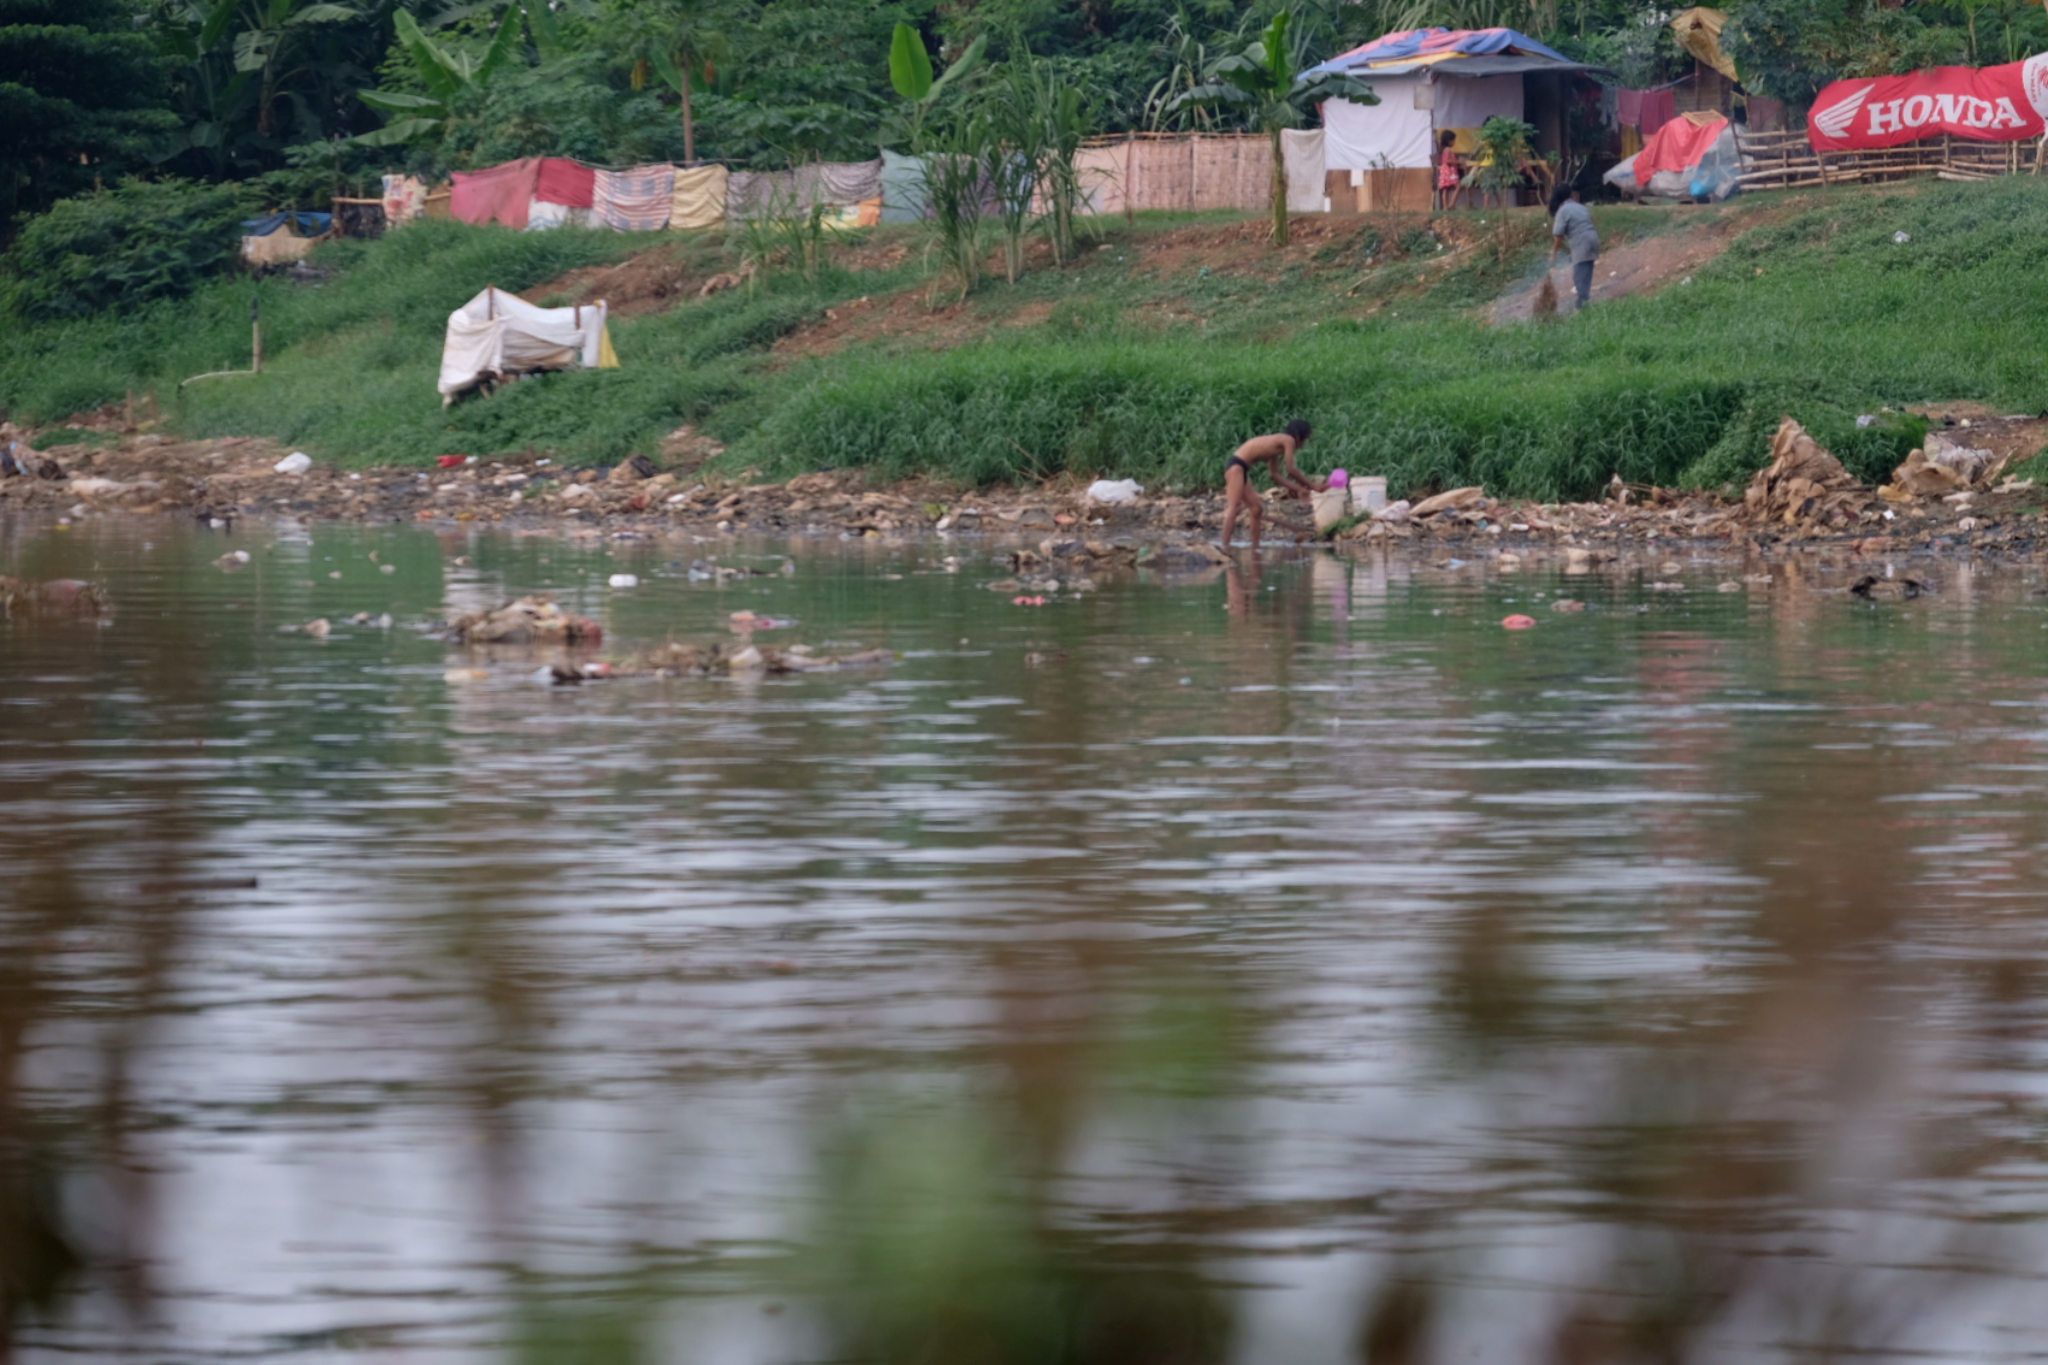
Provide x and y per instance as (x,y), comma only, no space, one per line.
(1236,968)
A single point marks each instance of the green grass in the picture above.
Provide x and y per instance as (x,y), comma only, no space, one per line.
(1128,369)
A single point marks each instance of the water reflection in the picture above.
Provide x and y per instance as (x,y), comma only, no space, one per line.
(1285,965)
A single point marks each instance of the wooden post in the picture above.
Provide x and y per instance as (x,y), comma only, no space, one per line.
(1131,213)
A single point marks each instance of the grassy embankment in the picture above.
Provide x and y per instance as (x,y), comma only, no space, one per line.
(1152,357)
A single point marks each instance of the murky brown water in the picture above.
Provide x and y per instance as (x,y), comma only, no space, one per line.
(1277,964)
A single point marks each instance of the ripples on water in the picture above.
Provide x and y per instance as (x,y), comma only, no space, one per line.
(1295,967)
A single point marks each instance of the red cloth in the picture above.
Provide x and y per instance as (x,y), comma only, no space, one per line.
(1989,104)
(1628,108)
(500,194)
(565,182)
(1659,108)
(1676,146)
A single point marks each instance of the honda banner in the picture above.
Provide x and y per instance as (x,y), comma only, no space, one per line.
(1991,104)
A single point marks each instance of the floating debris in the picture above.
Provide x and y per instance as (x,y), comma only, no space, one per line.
(528,620)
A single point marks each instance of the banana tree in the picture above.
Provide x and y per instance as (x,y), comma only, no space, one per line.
(910,72)
(1261,84)
(270,46)
(447,76)
(245,58)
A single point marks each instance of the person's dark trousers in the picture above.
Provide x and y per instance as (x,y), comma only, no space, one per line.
(1582,281)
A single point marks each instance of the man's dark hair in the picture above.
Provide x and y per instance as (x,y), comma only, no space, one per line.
(1299,430)
(1558,196)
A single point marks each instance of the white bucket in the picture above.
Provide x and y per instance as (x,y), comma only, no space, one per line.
(1330,507)
(1370,493)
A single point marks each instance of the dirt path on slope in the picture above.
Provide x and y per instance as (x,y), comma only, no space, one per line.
(1637,267)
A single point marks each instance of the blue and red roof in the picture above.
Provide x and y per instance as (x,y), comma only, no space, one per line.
(1429,46)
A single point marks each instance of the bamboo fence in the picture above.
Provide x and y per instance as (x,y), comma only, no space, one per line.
(1785,161)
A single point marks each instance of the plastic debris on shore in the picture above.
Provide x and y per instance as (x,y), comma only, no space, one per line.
(1112,493)
(1939,468)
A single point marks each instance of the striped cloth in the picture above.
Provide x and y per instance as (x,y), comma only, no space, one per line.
(638,200)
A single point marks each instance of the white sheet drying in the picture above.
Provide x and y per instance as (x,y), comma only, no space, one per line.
(497,333)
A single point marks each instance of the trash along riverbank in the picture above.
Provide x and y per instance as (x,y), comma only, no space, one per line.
(1953,496)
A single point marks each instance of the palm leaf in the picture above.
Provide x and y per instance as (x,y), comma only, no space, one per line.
(547,36)
(1275,52)
(216,26)
(326,14)
(910,66)
(440,75)
(253,48)
(399,101)
(1210,95)
(501,46)
(961,69)
(1332,85)
(666,68)
(404,130)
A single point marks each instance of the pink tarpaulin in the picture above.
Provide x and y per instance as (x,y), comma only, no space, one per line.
(500,194)
(565,182)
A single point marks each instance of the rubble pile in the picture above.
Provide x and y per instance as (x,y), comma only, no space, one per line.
(1804,486)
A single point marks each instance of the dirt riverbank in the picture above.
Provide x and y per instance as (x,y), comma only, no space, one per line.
(221,481)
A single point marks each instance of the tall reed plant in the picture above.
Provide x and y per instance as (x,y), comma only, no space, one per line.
(1010,150)
(1065,115)
(955,195)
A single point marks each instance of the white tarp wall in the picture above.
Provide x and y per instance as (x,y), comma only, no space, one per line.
(1392,133)
(1400,131)
(1303,150)
(498,333)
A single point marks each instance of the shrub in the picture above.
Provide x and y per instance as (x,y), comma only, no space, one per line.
(139,241)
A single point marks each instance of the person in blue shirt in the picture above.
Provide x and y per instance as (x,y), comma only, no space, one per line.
(1572,225)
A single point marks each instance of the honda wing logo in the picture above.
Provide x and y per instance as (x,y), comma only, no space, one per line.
(1834,122)
(2034,79)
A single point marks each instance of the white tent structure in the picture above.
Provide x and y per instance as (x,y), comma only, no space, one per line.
(1434,80)
(497,335)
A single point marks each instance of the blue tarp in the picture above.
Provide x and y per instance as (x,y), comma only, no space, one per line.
(1417,43)
(305,223)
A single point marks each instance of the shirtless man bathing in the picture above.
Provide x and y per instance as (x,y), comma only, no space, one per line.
(1276,452)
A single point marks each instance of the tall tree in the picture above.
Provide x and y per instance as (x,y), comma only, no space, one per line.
(1261,84)
(80,91)
(681,41)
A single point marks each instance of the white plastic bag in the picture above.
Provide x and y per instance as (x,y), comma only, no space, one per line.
(298,462)
(1110,493)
